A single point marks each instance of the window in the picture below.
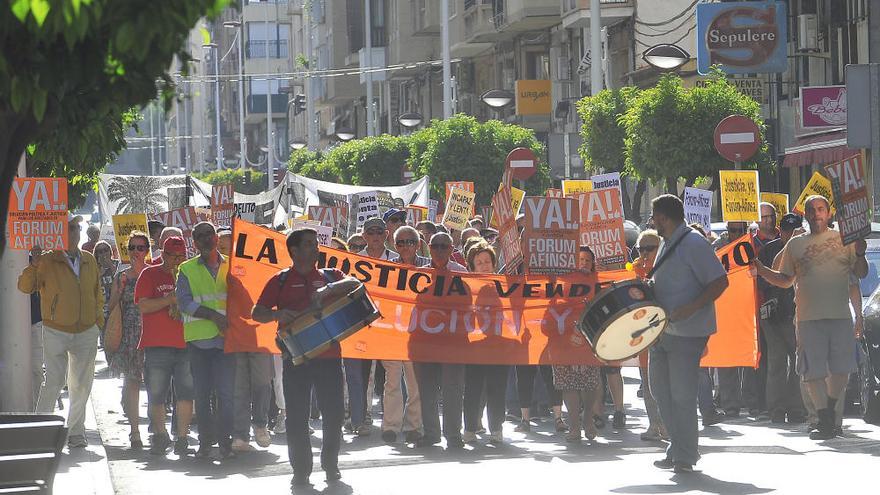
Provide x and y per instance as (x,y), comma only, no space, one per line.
(267,35)
(259,86)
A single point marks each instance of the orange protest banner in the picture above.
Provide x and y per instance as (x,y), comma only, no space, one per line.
(602,225)
(222,204)
(464,318)
(37,214)
(550,238)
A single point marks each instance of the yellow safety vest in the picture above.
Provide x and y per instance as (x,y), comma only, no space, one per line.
(208,292)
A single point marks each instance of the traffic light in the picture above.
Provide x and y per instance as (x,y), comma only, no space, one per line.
(299,104)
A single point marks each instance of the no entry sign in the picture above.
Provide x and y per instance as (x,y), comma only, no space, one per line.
(522,163)
(737,138)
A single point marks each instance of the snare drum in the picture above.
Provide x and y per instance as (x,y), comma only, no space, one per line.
(313,333)
(622,320)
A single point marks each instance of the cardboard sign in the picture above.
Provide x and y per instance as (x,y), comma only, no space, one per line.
(123,225)
(37,214)
(739,196)
(698,207)
(222,204)
(574,187)
(335,217)
(184,219)
(325,233)
(779,201)
(386,201)
(466,185)
(415,214)
(516,199)
(820,185)
(610,180)
(459,208)
(433,206)
(602,226)
(486,213)
(848,183)
(366,205)
(508,233)
(554,193)
(550,238)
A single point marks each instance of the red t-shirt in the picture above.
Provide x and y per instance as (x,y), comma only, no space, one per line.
(159,328)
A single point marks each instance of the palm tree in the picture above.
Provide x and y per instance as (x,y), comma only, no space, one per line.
(141,193)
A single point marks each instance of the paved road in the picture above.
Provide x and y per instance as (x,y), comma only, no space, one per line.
(743,456)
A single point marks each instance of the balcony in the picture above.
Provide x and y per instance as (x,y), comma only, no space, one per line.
(257,48)
(479,26)
(516,16)
(576,13)
(425,17)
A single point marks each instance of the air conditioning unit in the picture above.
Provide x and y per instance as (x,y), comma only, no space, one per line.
(808,33)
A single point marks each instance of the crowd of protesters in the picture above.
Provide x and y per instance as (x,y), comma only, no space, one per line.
(173,321)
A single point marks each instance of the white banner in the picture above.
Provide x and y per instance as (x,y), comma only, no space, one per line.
(305,192)
(122,194)
(698,207)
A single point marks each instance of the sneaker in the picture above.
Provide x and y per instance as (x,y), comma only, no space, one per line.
(363,430)
(262,437)
(573,437)
(469,437)
(826,426)
(561,427)
(426,442)
(204,451)
(713,417)
(280,423)
(732,412)
(496,438)
(523,427)
(227,451)
(665,463)
(777,417)
(682,467)
(136,442)
(389,436)
(333,474)
(77,442)
(239,445)
(599,420)
(619,421)
(480,431)
(796,418)
(159,443)
(454,443)
(412,436)
(640,393)
(838,431)
(651,435)
(300,481)
(181,447)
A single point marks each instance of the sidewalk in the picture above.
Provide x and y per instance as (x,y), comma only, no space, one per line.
(84,471)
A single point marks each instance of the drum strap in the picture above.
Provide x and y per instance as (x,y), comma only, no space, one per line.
(668,253)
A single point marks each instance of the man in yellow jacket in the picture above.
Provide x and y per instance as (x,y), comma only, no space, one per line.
(72,304)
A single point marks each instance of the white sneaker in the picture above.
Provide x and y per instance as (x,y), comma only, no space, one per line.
(468,437)
(496,437)
(280,423)
(239,445)
(261,435)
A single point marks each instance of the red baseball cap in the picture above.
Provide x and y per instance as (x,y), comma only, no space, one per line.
(174,245)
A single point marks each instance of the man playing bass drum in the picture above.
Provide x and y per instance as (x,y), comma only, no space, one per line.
(288,295)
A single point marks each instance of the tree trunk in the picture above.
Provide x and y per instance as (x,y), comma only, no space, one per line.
(672,186)
(624,191)
(636,209)
(16,133)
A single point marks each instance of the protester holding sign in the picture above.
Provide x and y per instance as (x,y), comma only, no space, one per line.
(72,305)
(820,266)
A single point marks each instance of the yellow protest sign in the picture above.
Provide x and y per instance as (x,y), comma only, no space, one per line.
(779,201)
(739,195)
(572,187)
(516,200)
(458,208)
(818,184)
(123,225)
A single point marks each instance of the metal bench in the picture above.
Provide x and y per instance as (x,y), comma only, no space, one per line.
(30,449)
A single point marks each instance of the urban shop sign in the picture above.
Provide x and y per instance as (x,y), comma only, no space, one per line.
(533,97)
(741,37)
(823,107)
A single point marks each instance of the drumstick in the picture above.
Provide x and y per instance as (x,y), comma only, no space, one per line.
(651,325)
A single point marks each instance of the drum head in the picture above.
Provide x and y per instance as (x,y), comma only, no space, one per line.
(630,333)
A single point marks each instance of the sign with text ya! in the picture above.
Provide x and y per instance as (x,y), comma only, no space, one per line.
(779,201)
(698,207)
(818,184)
(742,37)
(335,217)
(222,204)
(508,233)
(550,238)
(602,226)
(516,199)
(184,219)
(848,183)
(38,214)
(459,208)
(739,196)
(123,225)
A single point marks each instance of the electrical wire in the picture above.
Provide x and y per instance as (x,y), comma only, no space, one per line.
(685,35)
(664,33)
(677,16)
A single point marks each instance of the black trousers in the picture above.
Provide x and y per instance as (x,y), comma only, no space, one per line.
(525,382)
(492,378)
(325,375)
(441,380)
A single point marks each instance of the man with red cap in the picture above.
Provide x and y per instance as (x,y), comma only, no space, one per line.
(166,359)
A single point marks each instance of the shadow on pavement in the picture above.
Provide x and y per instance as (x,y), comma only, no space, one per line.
(698,482)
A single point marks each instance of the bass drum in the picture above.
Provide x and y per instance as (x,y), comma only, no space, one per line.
(622,320)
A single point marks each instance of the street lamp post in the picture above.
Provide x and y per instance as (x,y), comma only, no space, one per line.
(665,57)
(497,99)
(217,101)
(345,134)
(240,39)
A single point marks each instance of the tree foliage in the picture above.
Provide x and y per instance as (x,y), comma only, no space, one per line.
(462,149)
(69,65)
(244,181)
(371,161)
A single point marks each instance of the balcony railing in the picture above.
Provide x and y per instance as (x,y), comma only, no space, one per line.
(257,48)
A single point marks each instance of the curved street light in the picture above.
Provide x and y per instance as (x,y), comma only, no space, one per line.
(410,120)
(666,57)
(497,98)
(297,144)
(345,134)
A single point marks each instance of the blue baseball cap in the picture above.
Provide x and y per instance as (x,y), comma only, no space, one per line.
(393,212)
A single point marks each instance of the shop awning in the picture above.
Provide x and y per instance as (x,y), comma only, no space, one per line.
(817,150)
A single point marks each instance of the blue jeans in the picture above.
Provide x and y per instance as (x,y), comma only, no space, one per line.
(213,371)
(354,379)
(161,366)
(705,392)
(673,368)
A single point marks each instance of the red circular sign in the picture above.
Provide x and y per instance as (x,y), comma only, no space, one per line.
(737,138)
(522,163)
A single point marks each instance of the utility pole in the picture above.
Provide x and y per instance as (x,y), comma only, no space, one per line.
(595,47)
(152,142)
(216,48)
(368,62)
(241,142)
(310,90)
(447,65)
(270,164)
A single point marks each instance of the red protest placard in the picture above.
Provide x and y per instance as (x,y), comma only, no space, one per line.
(508,233)
(222,204)
(38,214)
(335,217)
(554,193)
(602,226)
(184,219)
(851,196)
(550,238)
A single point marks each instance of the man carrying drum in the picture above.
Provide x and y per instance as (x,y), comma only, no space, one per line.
(287,296)
(688,278)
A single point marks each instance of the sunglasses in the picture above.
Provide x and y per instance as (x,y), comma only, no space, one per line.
(406,242)
(647,249)
(140,247)
(357,247)
(440,247)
